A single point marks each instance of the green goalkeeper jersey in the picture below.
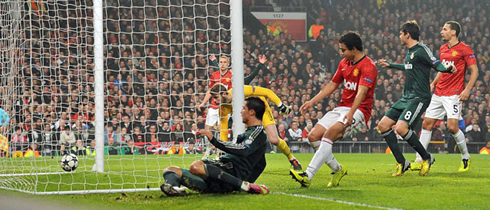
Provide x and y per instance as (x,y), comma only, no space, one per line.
(247,153)
(418,62)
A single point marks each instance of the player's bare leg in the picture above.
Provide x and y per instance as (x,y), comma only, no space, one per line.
(316,135)
(324,155)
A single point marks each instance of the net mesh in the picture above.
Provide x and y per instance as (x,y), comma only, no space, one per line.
(156,69)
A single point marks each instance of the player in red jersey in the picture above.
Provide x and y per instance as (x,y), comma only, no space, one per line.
(450,91)
(222,76)
(358,74)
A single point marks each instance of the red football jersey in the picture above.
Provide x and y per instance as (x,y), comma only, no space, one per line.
(462,56)
(352,75)
(225,79)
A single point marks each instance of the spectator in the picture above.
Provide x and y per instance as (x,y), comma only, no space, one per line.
(283,134)
(109,133)
(306,130)
(80,149)
(315,29)
(138,136)
(130,148)
(111,148)
(67,138)
(294,132)
(153,136)
(474,135)
(363,135)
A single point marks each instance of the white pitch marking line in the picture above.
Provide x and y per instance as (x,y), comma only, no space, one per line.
(335,200)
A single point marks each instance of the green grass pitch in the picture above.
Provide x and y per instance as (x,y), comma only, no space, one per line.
(368,185)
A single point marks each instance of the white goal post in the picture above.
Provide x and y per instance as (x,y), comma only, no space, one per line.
(115,82)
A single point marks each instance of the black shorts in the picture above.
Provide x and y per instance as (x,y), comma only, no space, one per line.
(216,186)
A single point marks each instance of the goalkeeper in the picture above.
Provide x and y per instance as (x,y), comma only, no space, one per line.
(223,98)
(231,171)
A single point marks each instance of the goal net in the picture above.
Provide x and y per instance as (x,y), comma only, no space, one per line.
(156,69)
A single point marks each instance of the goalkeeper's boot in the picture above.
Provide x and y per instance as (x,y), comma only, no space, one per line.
(465,165)
(258,189)
(416,165)
(173,191)
(401,168)
(296,165)
(337,176)
(426,164)
(302,178)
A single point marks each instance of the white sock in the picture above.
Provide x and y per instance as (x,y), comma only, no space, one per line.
(315,145)
(245,186)
(424,139)
(460,140)
(323,155)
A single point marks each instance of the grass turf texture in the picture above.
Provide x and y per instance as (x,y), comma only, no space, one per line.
(368,185)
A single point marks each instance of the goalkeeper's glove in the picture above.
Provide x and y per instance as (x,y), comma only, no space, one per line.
(284,110)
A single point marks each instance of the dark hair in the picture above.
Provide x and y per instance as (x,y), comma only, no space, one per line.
(218,88)
(256,104)
(411,27)
(351,39)
(453,25)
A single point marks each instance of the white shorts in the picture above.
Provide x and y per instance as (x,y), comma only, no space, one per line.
(441,106)
(212,117)
(337,115)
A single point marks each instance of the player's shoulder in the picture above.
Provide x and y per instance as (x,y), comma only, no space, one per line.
(444,47)
(344,62)
(425,50)
(464,47)
(367,64)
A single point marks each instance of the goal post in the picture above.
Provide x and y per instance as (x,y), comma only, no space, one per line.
(114,81)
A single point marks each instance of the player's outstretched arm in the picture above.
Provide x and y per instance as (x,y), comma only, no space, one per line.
(204,101)
(385,63)
(324,92)
(262,59)
(264,92)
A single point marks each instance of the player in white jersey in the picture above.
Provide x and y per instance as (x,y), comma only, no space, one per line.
(450,91)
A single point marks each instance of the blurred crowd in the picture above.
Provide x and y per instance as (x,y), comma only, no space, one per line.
(157,67)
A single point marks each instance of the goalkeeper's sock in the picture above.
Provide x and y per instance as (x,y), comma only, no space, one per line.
(283,147)
(171,178)
(192,181)
(216,173)
(322,156)
(413,140)
(392,142)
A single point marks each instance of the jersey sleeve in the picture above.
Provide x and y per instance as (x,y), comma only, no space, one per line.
(469,57)
(368,77)
(250,141)
(338,77)
(212,81)
(425,55)
(264,92)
